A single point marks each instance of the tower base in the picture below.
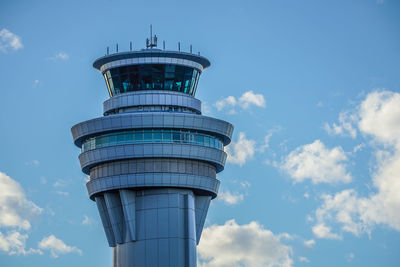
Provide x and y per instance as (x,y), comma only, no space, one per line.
(155,227)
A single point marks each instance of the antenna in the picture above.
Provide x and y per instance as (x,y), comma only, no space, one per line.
(152,42)
(163,44)
(108,50)
(117,48)
(179,46)
(130,45)
(190,49)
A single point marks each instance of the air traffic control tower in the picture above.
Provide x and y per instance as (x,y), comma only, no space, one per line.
(152,158)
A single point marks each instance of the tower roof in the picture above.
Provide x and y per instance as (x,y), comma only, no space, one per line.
(149,53)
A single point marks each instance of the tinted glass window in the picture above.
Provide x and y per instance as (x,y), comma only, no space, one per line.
(152,136)
(151,77)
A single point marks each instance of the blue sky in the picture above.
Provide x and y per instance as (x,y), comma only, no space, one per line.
(312,87)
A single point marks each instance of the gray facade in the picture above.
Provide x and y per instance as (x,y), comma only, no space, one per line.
(152,158)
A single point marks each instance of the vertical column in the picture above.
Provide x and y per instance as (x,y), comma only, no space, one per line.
(128,200)
(105,219)
(114,208)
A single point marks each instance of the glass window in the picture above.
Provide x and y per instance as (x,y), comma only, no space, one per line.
(112,139)
(151,135)
(157,136)
(148,135)
(169,68)
(151,77)
(200,139)
(167,136)
(206,141)
(123,70)
(138,136)
(129,137)
(120,138)
(176,137)
(99,142)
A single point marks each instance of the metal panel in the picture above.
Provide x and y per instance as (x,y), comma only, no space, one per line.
(105,219)
(145,120)
(114,208)
(128,200)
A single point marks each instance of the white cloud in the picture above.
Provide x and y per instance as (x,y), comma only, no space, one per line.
(317,163)
(266,142)
(59,56)
(205,109)
(236,245)
(379,118)
(15,209)
(62,193)
(86,220)
(323,231)
(9,40)
(249,98)
(246,100)
(306,195)
(57,246)
(241,151)
(229,101)
(345,126)
(309,243)
(245,184)
(267,138)
(358,147)
(350,257)
(303,259)
(59,183)
(14,243)
(229,197)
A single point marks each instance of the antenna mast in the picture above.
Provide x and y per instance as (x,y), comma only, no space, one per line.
(152,42)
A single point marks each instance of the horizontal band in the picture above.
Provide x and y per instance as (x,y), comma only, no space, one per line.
(151,60)
(149,55)
(159,165)
(153,120)
(201,185)
(151,98)
(95,157)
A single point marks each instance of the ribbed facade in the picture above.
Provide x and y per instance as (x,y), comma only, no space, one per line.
(152,158)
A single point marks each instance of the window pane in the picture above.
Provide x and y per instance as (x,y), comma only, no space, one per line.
(176,136)
(138,136)
(151,77)
(120,138)
(157,136)
(167,136)
(148,135)
(200,139)
(129,137)
(206,141)
(112,139)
